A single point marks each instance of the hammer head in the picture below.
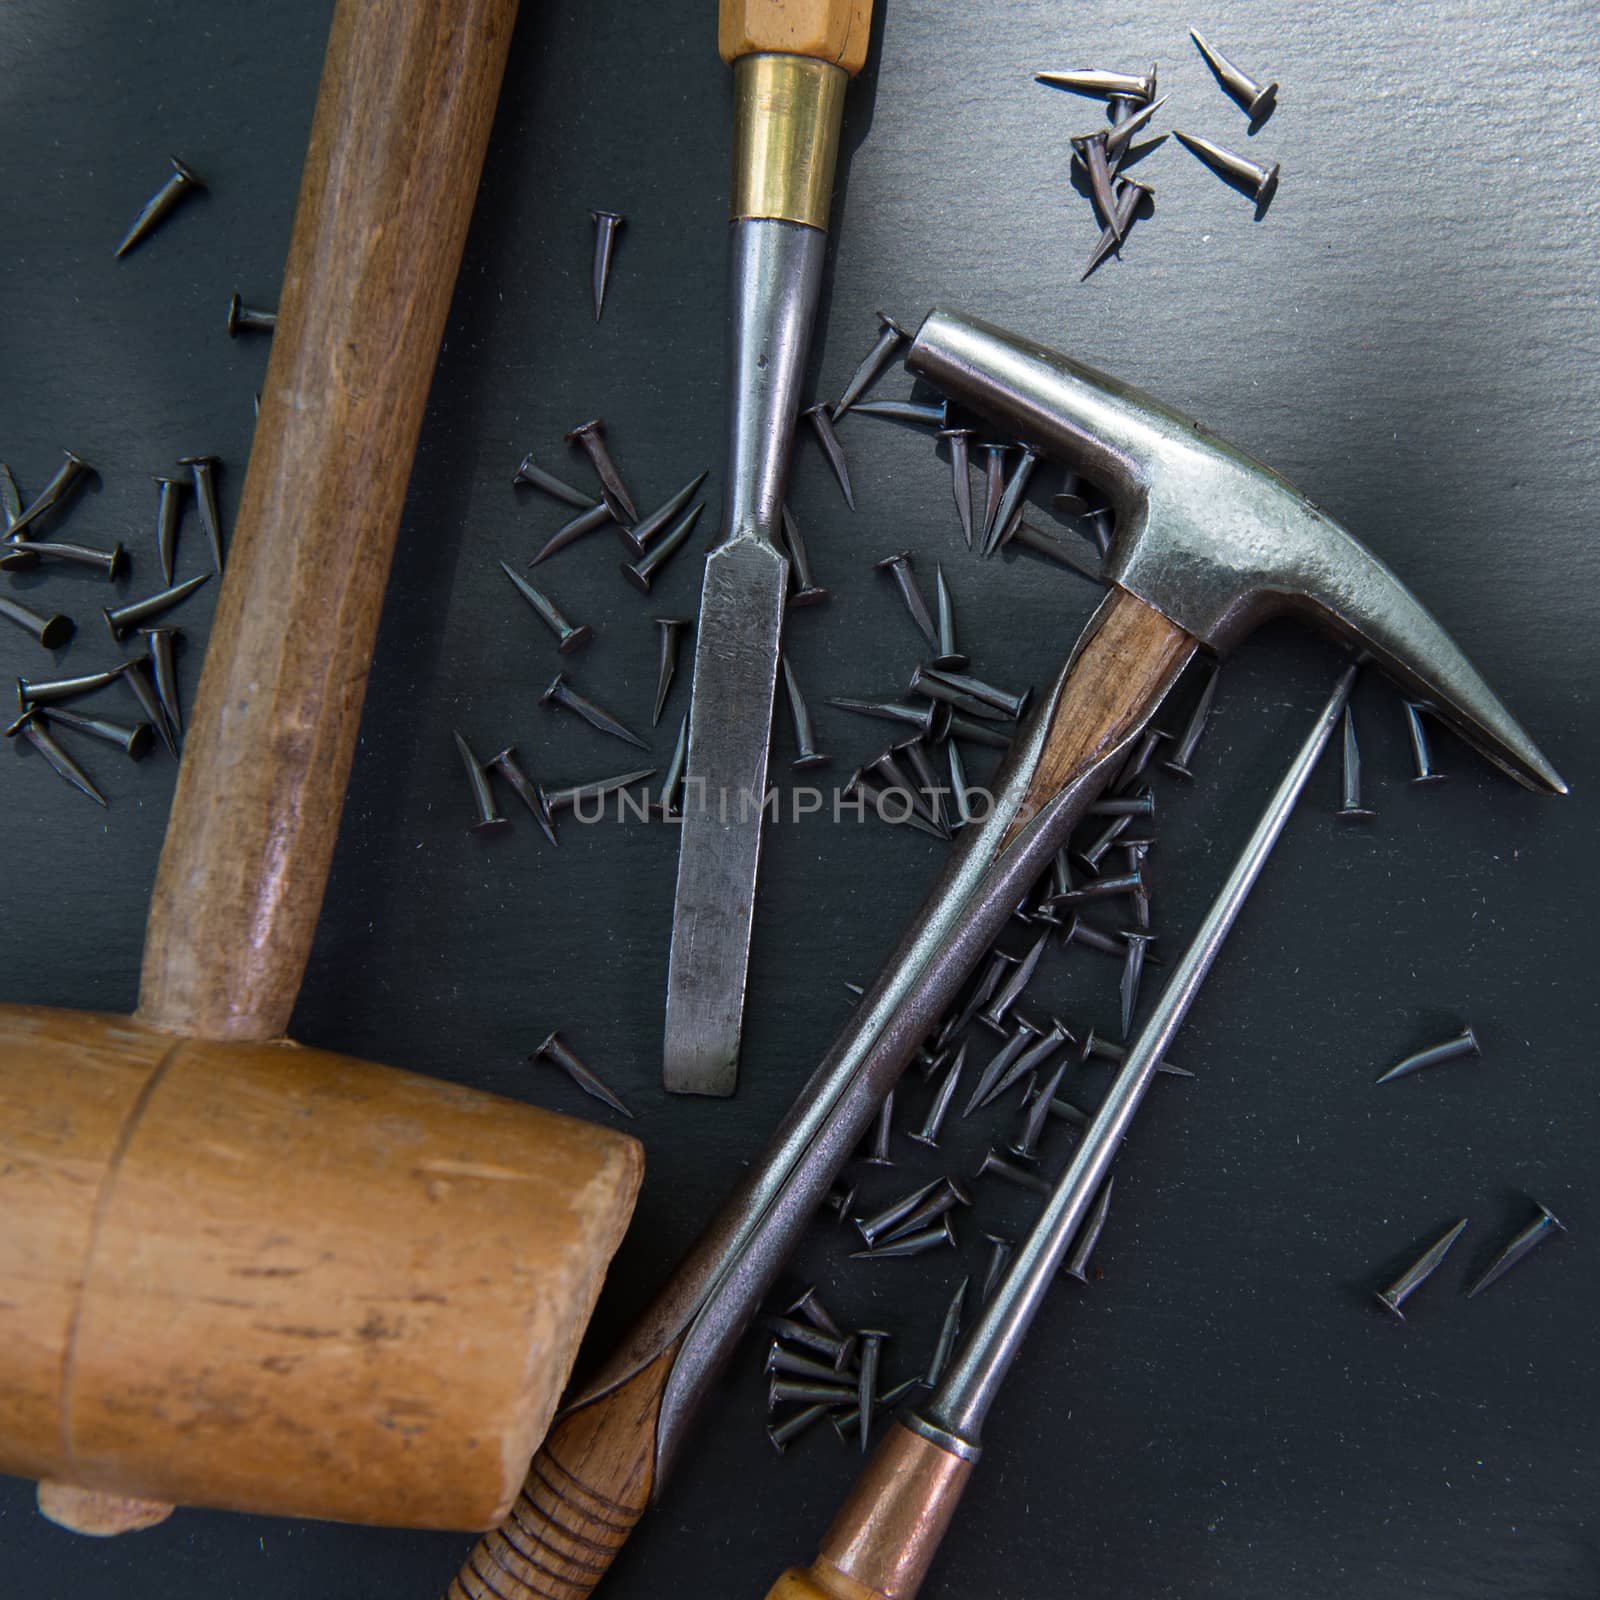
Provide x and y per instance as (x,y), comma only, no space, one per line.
(1208,536)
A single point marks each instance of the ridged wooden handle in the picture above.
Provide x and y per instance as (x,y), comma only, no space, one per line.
(588,1485)
(402,122)
(829,30)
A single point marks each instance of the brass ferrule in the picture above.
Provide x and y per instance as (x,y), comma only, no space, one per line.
(786,114)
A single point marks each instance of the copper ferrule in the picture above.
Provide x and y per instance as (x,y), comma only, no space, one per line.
(786,115)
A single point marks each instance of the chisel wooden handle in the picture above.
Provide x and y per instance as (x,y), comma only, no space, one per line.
(828,30)
(588,1485)
(403,114)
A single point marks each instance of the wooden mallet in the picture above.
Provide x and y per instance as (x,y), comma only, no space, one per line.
(235,1272)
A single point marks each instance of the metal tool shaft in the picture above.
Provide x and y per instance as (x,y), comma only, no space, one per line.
(958,1408)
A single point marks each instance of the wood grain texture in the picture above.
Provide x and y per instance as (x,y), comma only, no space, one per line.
(587,1488)
(403,115)
(830,30)
(1128,658)
(202,1307)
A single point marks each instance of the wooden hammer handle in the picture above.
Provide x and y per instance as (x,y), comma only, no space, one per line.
(828,30)
(588,1485)
(402,122)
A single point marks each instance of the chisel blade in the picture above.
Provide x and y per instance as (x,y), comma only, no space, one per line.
(735,675)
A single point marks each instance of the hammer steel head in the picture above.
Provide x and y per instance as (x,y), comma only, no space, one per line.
(1208,536)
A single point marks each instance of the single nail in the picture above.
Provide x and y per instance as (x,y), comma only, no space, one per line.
(1079,931)
(56,758)
(606,224)
(1423,757)
(1137,763)
(805,590)
(871,1228)
(834,1347)
(949,657)
(597,516)
(878,1151)
(1000,1252)
(45,691)
(52,632)
(995,1013)
(1092,81)
(867,1384)
(1418,1273)
(997,1166)
(931,719)
(1529,1239)
(561,693)
(643,572)
(941,1236)
(1091,151)
(1028,537)
(1019,1039)
(162,644)
(531,473)
(1351,808)
(1011,500)
(817,415)
(646,532)
(1465,1043)
(123,619)
(894,781)
(575,796)
(669,632)
(928,1133)
(554,1049)
(890,336)
(804,734)
(248,319)
(1100,889)
(1137,942)
(994,477)
(136,674)
(947,1194)
(990,702)
(862,786)
(1121,136)
(666,803)
(990,977)
(1258,181)
(1092,854)
(810,1306)
(1131,194)
(160,204)
(1077,1264)
(1178,763)
(959,791)
(1035,1113)
(134,741)
(793,1365)
(1256,101)
(960,442)
(1097,1048)
(923,414)
(591,436)
(1031,1061)
(72,472)
(899,569)
(568,637)
(29,553)
(203,469)
(483,801)
(949,1332)
(914,753)
(525,789)
(808,1392)
(783,1434)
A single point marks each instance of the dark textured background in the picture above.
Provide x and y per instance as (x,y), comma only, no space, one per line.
(1409,336)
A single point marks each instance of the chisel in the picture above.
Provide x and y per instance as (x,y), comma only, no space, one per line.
(791,61)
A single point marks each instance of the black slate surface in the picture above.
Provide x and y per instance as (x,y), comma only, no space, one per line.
(1409,335)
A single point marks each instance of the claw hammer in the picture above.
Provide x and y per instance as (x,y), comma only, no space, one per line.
(1208,543)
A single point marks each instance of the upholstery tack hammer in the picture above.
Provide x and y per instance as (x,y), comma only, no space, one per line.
(1208,543)
(239,1273)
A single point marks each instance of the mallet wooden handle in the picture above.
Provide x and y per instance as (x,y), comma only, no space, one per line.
(372,264)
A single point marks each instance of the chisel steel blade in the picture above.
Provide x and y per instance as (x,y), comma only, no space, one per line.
(735,675)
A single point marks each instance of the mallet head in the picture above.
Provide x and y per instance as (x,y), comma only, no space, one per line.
(1208,536)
